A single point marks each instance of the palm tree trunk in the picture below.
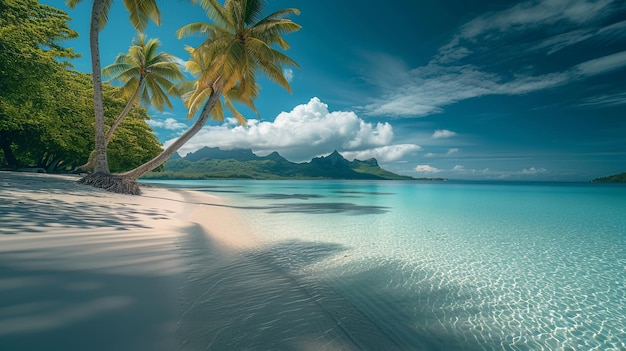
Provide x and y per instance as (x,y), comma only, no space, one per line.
(120,118)
(102,164)
(165,155)
(125,183)
(92,157)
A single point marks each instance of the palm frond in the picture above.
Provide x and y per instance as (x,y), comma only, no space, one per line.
(237,45)
(141,11)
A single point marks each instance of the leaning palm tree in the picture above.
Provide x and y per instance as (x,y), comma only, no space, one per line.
(148,77)
(239,43)
(140,11)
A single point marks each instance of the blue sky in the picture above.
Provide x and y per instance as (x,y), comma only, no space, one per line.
(511,90)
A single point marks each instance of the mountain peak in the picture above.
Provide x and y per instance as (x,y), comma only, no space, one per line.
(207,163)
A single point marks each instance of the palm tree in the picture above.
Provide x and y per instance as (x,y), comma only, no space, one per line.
(140,11)
(148,78)
(239,43)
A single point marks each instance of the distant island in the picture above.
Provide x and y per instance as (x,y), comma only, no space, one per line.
(214,163)
(617,178)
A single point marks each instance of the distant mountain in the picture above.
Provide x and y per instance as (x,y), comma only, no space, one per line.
(214,163)
(617,178)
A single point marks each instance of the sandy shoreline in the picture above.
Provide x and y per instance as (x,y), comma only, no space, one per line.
(84,269)
(81,268)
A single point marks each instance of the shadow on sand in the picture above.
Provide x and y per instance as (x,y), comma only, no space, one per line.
(127,290)
(265,300)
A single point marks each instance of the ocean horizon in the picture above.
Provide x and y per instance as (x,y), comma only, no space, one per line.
(431,265)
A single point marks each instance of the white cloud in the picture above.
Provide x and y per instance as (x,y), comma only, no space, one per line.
(531,14)
(533,171)
(427,169)
(443,133)
(466,67)
(307,131)
(389,153)
(603,64)
(168,123)
(452,151)
(288,73)
(500,174)
(605,100)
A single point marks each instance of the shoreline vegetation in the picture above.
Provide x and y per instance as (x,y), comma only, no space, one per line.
(616,178)
(44,103)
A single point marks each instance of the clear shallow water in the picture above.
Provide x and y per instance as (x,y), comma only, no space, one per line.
(445,266)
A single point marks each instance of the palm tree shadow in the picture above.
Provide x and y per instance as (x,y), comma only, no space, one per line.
(39,215)
(265,299)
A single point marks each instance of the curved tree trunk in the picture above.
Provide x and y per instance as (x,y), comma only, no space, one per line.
(125,183)
(129,106)
(182,140)
(102,164)
(91,162)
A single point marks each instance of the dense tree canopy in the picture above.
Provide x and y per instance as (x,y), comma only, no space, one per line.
(46,109)
(30,37)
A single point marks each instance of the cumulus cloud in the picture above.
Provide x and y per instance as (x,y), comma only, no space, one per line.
(307,131)
(468,66)
(389,153)
(427,169)
(443,133)
(168,123)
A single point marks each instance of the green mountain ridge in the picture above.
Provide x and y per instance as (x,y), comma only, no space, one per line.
(214,163)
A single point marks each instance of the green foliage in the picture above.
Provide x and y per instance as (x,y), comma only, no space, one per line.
(242,164)
(240,42)
(146,73)
(617,178)
(31,35)
(46,110)
(133,143)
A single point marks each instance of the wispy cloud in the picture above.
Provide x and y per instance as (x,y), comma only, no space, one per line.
(308,130)
(533,14)
(603,64)
(496,54)
(168,123)
(443,133)
(499,174)
(605,100)
(427,169)
(452,151)
(288,73)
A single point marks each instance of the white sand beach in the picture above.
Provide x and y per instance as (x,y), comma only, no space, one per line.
(82,268)
(85,269)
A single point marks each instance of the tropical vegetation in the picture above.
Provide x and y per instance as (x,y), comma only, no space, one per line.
(239,42)
(213,163)
(39,105)
(140,11)
(616,178)
(148,77)
(46,108)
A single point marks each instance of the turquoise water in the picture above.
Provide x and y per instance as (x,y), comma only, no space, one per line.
(451,266)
